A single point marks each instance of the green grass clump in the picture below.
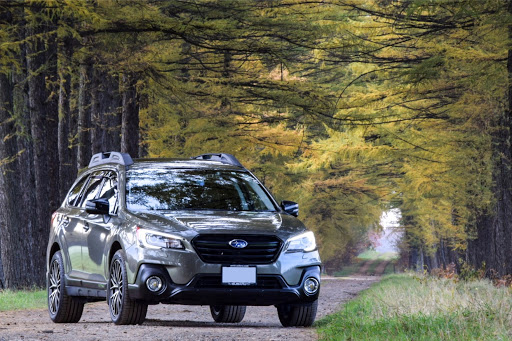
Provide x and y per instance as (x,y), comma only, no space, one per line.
(23,299)
(373,267)
(407,307)
(348,270)
(374,255)
(366,256)
(390,269)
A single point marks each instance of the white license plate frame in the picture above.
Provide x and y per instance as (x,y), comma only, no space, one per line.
(239,275)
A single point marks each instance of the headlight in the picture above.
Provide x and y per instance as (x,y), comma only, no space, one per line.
(303,242)
(156,240)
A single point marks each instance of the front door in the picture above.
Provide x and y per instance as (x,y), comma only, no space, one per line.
(94,253)
(80,222)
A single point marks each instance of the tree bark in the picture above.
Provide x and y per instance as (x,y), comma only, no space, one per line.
(25,147)
(43,118)
(51,113)
(17,205)
(73,125)
(493,245)
(97,126)
(84,117)
(113,113)
(130,117)
(10,234)
(67,171)
(106,110)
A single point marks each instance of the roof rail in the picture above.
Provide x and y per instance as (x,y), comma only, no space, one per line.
(111,157)
(222,157)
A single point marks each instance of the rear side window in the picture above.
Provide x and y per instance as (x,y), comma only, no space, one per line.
(75,191)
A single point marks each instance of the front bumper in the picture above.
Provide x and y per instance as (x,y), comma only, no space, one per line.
(207,289)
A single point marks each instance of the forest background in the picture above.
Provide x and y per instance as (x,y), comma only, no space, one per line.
(349,107)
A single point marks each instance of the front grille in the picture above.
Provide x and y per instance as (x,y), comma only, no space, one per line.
(215,248)
(262,282)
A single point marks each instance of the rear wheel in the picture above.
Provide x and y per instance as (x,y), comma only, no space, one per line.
(62,308)
(228,313)
(297,315)
(123,310)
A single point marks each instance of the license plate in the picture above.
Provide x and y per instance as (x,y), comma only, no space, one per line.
(239,275)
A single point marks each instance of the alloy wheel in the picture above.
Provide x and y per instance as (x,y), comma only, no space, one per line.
(54,287)
(116,288)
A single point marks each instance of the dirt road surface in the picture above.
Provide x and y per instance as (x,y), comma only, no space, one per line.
(178,322)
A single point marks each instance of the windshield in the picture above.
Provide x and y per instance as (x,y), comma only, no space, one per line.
(185,189)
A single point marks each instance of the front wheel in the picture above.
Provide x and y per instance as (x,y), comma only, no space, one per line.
(228,313)
(123,310)
(62,307)
(297,315)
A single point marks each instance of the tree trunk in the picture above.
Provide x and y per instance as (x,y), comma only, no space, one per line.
(130,117)
(84,117)
(10,233)
(97,124)
(493,246)
(73,126)
(113,113)
(67,171)
(42,117)
(106,107)
(16,225)
(51,113)
(143,147)
(26,222)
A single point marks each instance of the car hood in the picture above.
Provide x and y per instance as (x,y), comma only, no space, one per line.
(195,222)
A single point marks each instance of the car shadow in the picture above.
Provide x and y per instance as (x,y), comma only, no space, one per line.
(199,324)
(188,324)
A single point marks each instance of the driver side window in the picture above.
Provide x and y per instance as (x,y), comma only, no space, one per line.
(92,189)
(109,191)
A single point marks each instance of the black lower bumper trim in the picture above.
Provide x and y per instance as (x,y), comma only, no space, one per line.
(234,296)
(195,293)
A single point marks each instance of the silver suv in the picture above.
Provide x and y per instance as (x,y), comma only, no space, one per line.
(200,231)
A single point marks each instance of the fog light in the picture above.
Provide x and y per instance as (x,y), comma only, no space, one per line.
(311,285)
(154,283)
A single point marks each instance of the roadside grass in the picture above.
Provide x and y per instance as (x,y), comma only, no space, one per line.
(374,255)
(369,255)
(23,299)
(412,307)
(390,269)
(372,268)
(349,269)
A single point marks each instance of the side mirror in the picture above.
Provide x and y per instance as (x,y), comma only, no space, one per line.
(97,206)
(290,207)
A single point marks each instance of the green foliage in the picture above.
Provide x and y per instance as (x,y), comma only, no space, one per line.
(225,90)
(349,108)
(389,107)
(421,96)
(469,273)
(401,307)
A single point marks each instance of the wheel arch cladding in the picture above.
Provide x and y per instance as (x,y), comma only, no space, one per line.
(55,247)
(116,246)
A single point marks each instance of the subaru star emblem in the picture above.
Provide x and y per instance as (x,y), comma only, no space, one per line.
(238,243)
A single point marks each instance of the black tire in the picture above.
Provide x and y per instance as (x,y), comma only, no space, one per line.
(123,310)
(297,315)
(228,313)
(62,308)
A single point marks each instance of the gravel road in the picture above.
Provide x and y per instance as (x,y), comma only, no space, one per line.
(177,322)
